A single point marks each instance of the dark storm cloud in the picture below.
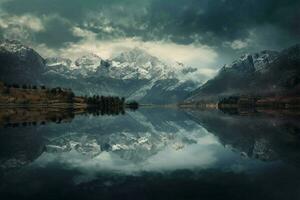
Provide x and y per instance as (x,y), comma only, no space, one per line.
(221,20)
(74,10)
(57,32)
(210,22)
(93,15)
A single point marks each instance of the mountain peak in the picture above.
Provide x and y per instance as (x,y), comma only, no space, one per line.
(58,61)
(263,73)
(92,60)
(19,63)
(136,55)
(253,62)
(14,46)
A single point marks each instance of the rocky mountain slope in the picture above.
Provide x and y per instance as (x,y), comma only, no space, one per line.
(134,74)
(263,73)
(20,64)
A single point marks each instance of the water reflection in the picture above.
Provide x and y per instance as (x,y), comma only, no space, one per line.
(33,116)
(264,137)
(152,153)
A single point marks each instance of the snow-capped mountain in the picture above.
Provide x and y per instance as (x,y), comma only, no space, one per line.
(87,65)
(134,74)
(263,73)
(59,66)
(263,59)
(137,63)
(257,62)
(84,66)
(132,64)
(136,66)
(19,63)
(58,61)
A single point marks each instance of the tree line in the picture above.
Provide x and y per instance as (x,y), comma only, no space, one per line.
(24,86)
(107,104)
(112,102)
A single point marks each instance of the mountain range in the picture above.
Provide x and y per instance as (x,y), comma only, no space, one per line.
(134,74)
(260,74)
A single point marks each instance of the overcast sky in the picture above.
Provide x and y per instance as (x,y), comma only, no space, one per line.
(200,33)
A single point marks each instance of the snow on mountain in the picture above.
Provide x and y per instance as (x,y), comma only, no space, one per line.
(83,66)
(87,64)
(58,61)
(19,63)
(14,47)
(142,92)
(133,74)
(91,61)
(263,73)
(138,64)
(253,62)
(262,59)
(59,65)
(132,64)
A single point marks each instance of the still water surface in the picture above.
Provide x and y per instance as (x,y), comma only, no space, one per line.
(153,154)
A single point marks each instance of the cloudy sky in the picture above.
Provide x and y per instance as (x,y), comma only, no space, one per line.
(200,33)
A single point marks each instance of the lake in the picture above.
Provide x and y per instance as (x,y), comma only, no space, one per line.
(152,153)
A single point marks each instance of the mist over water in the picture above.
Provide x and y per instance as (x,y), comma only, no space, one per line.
(153,153)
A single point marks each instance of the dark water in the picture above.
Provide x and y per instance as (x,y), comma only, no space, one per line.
(153,154)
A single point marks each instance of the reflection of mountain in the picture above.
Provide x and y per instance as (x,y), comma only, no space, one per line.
(19,147)
(264,73)
(133,74)
(258,137)
(134,137)
(34,116)
(93,156)
(139,136)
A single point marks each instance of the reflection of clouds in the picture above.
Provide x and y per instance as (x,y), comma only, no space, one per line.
(159,146)
(191,156)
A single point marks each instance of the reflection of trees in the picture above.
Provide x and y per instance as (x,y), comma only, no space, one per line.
(30,117)
(133,105)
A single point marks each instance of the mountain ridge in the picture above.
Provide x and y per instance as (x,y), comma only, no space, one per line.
(263,73)
(90,74)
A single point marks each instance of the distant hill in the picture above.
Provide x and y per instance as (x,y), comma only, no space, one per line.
(266,73)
